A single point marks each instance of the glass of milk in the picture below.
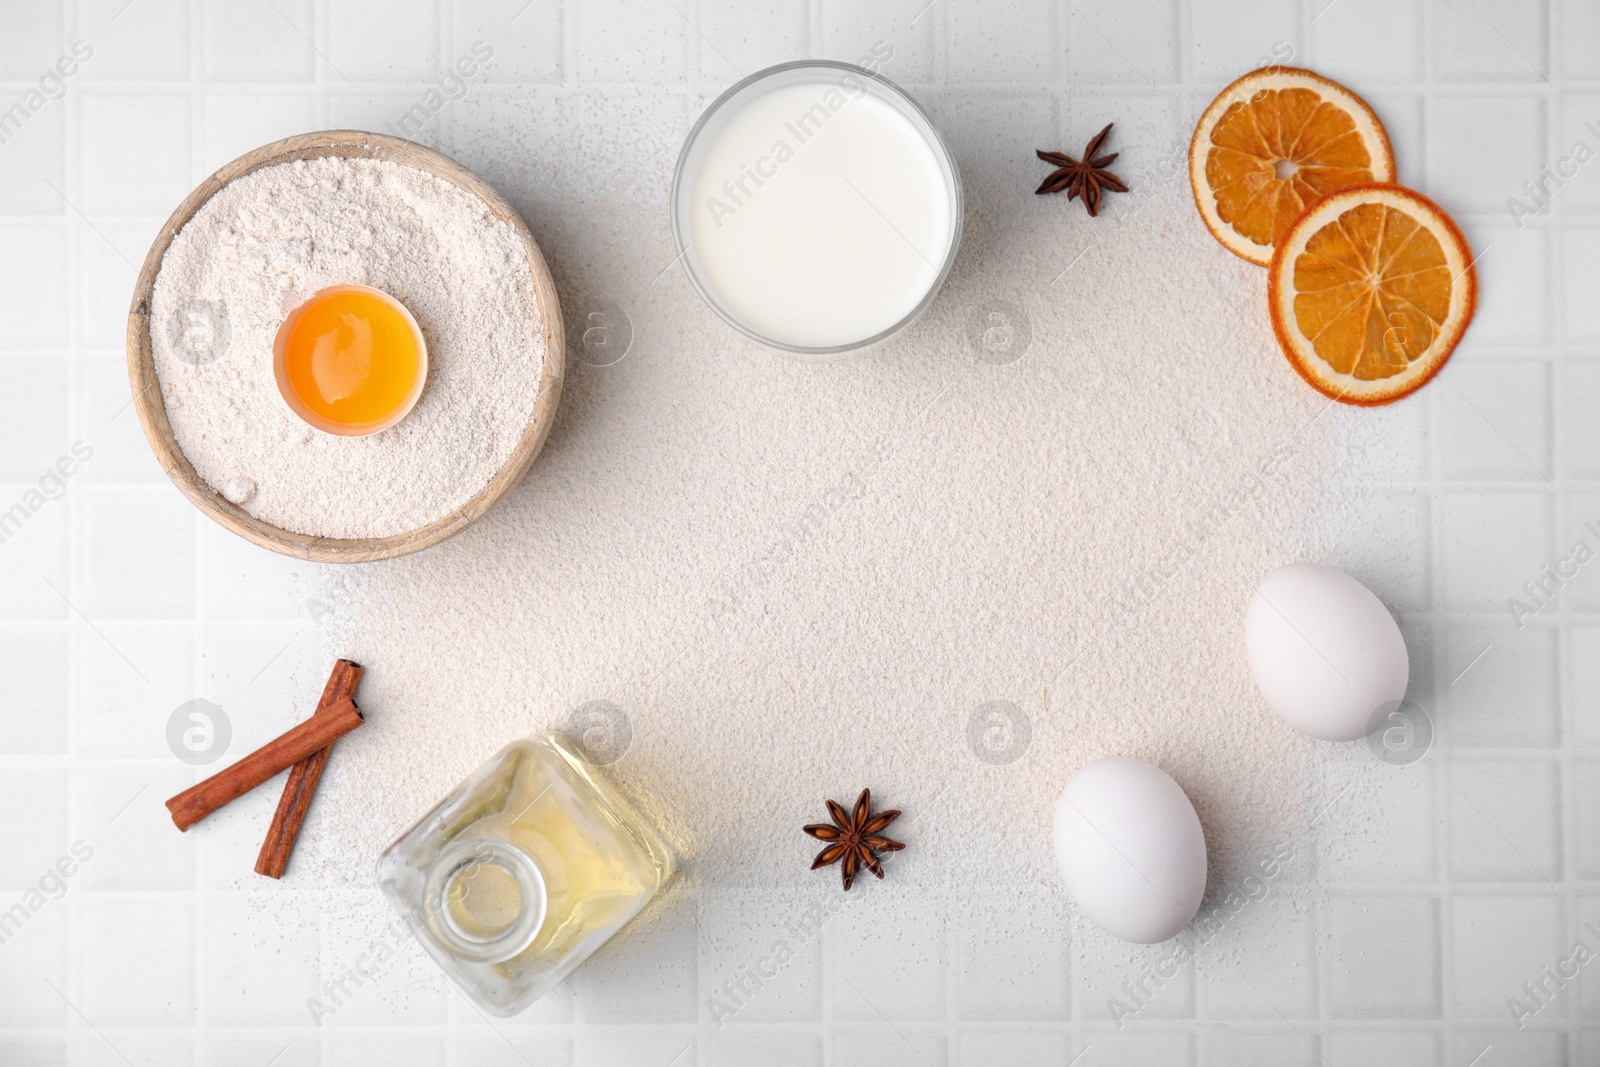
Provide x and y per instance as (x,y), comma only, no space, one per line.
(815,208)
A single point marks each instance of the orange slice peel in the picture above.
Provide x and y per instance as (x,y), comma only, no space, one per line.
(1370,291)
(1273,143)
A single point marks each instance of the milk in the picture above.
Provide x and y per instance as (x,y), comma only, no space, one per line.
(819,208)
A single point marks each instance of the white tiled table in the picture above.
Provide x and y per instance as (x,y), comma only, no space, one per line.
(118,602)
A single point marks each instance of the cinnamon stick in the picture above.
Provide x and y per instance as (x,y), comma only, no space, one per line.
(304,776)
(279,754)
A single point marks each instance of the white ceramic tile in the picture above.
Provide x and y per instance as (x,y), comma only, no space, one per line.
(33,702)
(1498,40)
(383,112)
(1394,563)
(1136,1050)
(33,1052)
(850,31)
(1348,51)
(1248,1048)
(34,154)
(33,422)
(1578,439)
(1017,41)
(1586,995)
(151,938)
(1272,974)
(33,965)
(1580,192)
(132,677)
(1491,543)
(148,42)
(1586,816)
(1359,1048)
(1572,564)
(1403,115)
(1580,21)
(525,39)
(1402,849)
(102,1050)
(625,1051)
(1110,42)
(34,843)
(267,675)
(1229,38)
(259,42)
(33,42)
(647,973)
(1405,432)
(505,1046)
(33,554)
(878,971)
(1505,823)
(139,558)
(620,42)
(107,424)
(1525,1048)
(1499,687)
(1581,267)
(382,1050)
(260,958)
(378,41)
(108,261)
(1012,959)
(736,38)
(1513,288)
(892,1048)
(245,581)
(1586,685)
(1500,942)
(1021,1048)
(1113,981)
(227,1050)
(33,285)
(761,957)
(234,123)
(1383,962)
(979,126)
(1468,178)
(135,155)
(779,1049)
(380,976)
(133,845)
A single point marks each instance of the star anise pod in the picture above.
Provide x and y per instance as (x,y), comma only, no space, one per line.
(856,838)
(1086,177)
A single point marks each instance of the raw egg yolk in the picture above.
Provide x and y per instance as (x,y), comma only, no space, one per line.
(351,358)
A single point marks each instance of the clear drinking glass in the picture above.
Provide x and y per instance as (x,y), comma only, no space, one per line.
(854,82)
(522,872)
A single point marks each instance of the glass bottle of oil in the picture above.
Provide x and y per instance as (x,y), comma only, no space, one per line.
(522,872)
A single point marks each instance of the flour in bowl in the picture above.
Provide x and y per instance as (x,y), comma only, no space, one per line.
(268,240)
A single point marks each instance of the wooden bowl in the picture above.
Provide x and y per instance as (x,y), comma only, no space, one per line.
(147,399)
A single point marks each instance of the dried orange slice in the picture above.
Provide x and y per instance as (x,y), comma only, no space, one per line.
(1273,143)
(1370,291)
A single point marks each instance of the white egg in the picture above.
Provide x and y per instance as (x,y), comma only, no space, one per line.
(1325,652)
(1130,848)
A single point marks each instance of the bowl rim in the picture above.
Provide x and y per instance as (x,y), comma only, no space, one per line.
(148,401)
(941,148)
(298,406)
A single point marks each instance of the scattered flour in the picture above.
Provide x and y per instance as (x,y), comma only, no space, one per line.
(268,240)
(798,580)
